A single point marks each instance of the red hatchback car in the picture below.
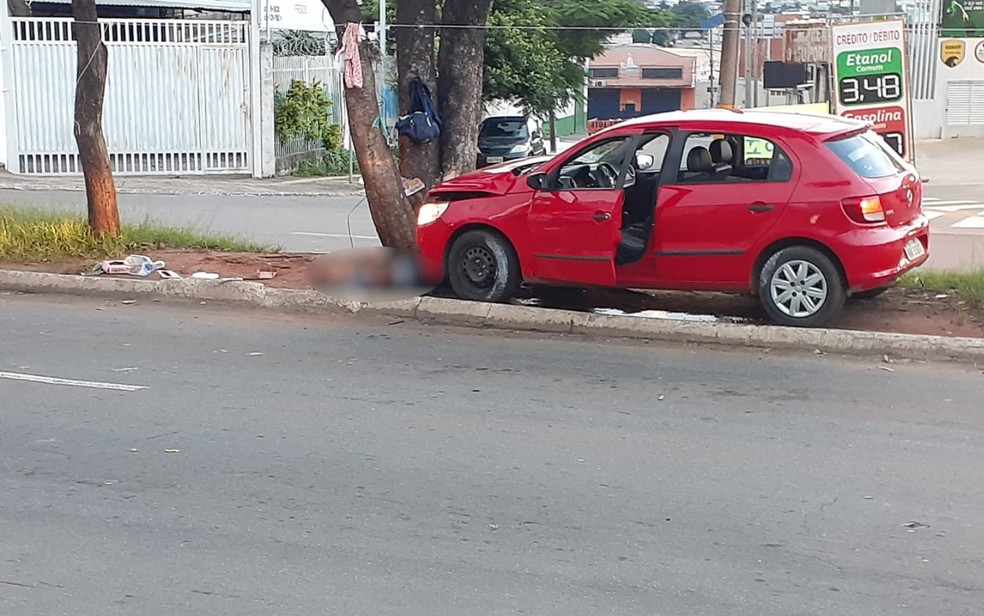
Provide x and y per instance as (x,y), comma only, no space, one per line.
(801,210)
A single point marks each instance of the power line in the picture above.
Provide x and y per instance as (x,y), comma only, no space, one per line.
(552,28)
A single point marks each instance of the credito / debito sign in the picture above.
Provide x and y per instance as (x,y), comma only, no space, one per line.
(871,79)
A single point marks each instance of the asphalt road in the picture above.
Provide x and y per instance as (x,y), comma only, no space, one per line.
(343,467)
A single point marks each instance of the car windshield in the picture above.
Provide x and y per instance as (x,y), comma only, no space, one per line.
(609,152)
(865,156)
(504,129)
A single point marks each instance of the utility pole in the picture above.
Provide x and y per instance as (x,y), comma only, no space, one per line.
(748,56)
(713,89)
(729,52)
(757,57)
(382,29)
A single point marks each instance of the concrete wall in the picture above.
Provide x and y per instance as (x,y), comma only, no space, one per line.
(927,119)
(970,72)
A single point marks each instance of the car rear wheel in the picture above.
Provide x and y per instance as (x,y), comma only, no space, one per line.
(482,266)
(801,287)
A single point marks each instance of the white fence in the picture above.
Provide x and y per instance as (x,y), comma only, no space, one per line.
(310,69)
(177,96)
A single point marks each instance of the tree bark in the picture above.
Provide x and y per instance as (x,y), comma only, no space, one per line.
(391,212)
(461,62)
(415,58)
(90,91)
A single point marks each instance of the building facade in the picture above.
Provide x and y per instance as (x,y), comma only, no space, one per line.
(633,80)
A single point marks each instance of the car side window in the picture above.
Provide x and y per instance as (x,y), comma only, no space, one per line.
(651,154)
(596,168)
(765,160)
(728,158)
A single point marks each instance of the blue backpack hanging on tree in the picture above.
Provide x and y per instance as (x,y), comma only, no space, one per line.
(423,124)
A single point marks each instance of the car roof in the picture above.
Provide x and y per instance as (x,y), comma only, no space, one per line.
(815,123)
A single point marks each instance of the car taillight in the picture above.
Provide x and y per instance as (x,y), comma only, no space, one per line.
(864,209)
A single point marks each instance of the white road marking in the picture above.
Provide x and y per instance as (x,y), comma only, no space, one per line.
(941,203)
(955,208)
(341,235)
(48,380)
(974,222)
(934,215)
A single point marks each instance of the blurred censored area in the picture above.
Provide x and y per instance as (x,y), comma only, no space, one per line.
(373,274)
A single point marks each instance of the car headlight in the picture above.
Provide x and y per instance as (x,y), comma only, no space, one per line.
(429,212)
(520,149)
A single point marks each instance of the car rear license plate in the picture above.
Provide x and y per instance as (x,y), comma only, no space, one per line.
(914,249)
(495,159)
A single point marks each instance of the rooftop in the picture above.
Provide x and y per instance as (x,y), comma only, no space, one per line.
(817,123)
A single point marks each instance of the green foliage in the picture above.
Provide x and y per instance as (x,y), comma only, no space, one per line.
(370,12)
(35,235)
(333,163)
(688,15)
(303,113)
(967,285)
(370,17)
(544,69)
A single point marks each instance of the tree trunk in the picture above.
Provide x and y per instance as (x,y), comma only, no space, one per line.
(90,91)
(391,212)
(415,58)
(461,63)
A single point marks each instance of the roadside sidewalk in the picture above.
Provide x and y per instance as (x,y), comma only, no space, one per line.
(226,185)
(946,162)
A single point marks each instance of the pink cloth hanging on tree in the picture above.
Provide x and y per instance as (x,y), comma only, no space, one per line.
(353,63)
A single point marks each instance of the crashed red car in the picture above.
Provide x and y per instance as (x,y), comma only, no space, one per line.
(801,210)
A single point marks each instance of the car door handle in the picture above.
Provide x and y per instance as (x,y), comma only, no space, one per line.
(760,208)
(602,216)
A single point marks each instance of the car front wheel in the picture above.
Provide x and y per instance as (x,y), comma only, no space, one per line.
(801,287)
(482,266)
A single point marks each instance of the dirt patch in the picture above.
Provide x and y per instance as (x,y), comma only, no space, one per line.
(898,310)
(290,268)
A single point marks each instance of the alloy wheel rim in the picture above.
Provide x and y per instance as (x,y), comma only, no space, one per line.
(799,289)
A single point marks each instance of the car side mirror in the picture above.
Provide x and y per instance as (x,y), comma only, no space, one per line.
(645,161)
(537,181)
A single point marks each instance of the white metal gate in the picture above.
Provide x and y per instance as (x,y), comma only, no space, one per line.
(177,96)
(965,102)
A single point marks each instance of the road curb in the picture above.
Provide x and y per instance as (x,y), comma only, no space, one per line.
(444,311)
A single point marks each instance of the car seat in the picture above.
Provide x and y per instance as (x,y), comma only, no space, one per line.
(700,166)
(722,157)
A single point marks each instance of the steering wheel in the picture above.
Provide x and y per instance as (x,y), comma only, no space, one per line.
(630,176)
(607,176)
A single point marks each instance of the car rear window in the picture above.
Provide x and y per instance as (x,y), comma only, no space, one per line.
(865,156)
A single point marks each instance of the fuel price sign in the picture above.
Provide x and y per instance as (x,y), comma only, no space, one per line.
(870,73)
(868,77)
